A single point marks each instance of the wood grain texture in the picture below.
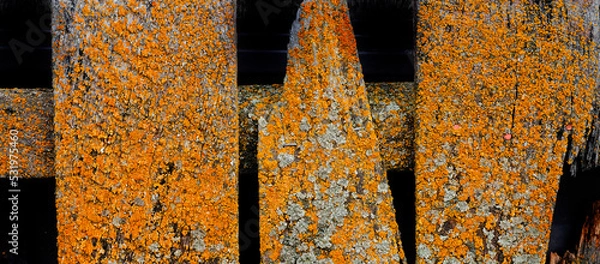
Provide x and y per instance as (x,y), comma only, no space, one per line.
(588,250)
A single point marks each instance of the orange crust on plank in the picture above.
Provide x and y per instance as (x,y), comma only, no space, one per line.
(503,87)
(29,114)
(324,197)
(146,131)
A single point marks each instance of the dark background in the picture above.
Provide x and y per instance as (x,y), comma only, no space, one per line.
(383,30)
(385,39)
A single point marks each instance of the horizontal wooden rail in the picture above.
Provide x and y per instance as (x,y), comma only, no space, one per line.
(30,111)
(392,106)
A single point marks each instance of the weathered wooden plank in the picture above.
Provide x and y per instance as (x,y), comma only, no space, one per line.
(28,113)
(588,250)
(503,88)
(146,130)
(324,197)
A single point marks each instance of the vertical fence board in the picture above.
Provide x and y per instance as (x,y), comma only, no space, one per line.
(324,197)
(146,130)
(503,90)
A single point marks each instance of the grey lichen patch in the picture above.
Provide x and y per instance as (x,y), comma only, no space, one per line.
(154,247)
(332,137)
(526,258)
(383,187)
(324,172)
(138,201)
(285,159)
(198,245)
(262,126)
(304,124)
(117,221)
(307,258)
(295,212)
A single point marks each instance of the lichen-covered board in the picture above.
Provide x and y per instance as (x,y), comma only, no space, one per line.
(504,88)
(27,114)
(324,197)
(146,130)
(392,109)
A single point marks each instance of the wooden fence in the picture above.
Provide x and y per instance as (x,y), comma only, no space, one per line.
(146,131)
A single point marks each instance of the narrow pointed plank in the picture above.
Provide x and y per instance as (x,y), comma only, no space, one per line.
(146,131)
(324,197)
(28,113)
(502,89)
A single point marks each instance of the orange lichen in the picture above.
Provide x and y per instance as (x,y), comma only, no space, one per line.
(323,191)
(512,74)
(392,110)
(29,112)
(146,131)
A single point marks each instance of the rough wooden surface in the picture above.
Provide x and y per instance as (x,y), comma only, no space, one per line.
(567,258)
(587,156)
(324,197)
(392,110)
(146,128)
(502,89)
(588,250)
(30,113)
